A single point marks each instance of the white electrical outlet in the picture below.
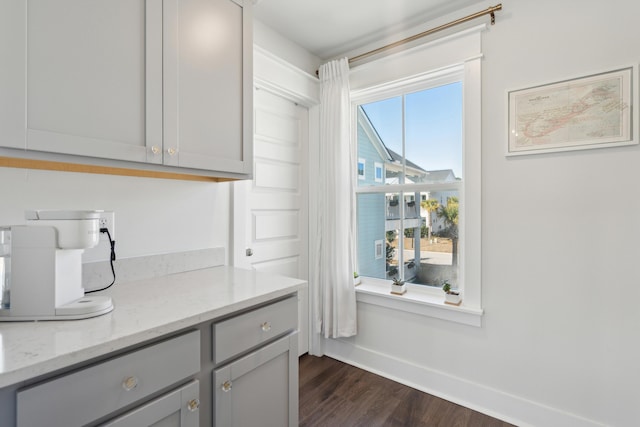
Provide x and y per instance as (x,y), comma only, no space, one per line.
(107,220)
(102,251)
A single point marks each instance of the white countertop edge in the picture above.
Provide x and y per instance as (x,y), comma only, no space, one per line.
(45,364)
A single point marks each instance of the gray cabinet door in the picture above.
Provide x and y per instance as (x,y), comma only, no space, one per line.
(260,389)
(12,79)
(208,79)
(179,408)
(94,78)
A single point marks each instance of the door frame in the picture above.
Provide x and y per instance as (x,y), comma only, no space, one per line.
(281,78)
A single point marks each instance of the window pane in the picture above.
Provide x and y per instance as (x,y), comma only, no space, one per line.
(426,246)
(433,138)
(433,123)
(380,139)
(372,242)
(379,172)
(418,229)
(392,227)
(361,169)
(431,247)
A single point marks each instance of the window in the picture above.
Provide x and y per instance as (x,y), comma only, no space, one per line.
(416,137)
(426,209)
(361,169)
(378,249)
(455,60)
(378,172)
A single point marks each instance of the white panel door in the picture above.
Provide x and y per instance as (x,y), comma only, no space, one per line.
(270,212)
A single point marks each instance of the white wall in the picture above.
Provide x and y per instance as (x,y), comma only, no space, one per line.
(270,40)
(559,343)
(560,332)
(557,265)
(153,216)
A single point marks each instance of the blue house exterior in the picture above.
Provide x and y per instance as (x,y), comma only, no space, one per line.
(379,213)
(370,207)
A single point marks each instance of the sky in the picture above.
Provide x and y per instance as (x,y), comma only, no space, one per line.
(433,126)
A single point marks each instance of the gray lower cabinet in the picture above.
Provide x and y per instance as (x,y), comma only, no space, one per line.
(237,370)
(255,382)
(178,408)
(86,396)
(260,389)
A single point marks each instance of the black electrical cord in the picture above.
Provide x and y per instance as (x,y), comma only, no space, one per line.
(112,258)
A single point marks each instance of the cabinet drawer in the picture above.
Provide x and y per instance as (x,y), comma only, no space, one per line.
(91,393)
(238,334)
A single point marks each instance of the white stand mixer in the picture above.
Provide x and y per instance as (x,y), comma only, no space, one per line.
(46,267)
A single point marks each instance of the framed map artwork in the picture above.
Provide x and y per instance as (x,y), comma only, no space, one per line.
(589,112)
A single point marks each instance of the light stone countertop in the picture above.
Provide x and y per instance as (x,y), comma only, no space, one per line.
(144,310)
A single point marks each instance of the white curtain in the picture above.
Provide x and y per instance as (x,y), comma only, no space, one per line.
(335,298)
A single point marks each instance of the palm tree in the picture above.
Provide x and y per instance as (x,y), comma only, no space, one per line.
(430,205)
(449,214)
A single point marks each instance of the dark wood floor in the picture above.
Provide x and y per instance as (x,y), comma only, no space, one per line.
(339,395)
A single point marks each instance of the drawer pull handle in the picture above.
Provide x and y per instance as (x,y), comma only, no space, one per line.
(155,149)
(226,386)
(193,405)
(130,383)
(266,326)
(171,151)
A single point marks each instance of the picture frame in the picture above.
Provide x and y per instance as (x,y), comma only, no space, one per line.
(593,111)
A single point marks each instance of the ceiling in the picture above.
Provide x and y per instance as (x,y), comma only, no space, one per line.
(328,28)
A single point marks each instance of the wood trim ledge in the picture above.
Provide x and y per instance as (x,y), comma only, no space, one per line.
(11,162)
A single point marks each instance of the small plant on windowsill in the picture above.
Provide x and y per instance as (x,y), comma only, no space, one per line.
(356,279)
(398,287)
(451,296)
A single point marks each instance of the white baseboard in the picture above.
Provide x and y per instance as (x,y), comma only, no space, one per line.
(498,404)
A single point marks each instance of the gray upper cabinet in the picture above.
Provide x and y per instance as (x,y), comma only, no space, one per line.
(164,82)
(205,101)
(86,74)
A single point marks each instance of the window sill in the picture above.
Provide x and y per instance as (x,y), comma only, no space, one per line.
(418,300)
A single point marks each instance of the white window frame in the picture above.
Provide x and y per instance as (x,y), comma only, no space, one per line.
(377,166)
(420,299)
(364,168)
(378,249)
